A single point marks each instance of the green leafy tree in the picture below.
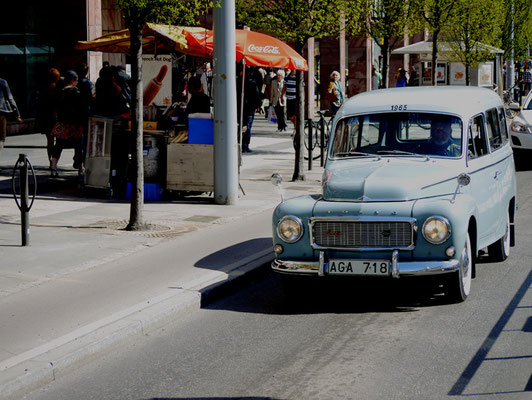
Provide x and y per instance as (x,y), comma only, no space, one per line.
(385,21)
(136,14)
(517,29)
(436,14)
(293,21)
(473,24)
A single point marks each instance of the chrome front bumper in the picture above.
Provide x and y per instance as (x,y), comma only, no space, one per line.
(409,268)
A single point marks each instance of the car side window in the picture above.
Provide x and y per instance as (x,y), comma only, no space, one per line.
(476,143)
(493,130)
(502,125)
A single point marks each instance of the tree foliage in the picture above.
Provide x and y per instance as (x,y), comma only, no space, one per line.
(136,14)
(474,23)
(520,13)
(293,21)
(385,21)
(437,15)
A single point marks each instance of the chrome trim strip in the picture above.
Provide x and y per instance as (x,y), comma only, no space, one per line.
(395,264)
(409,268)
(298,267)
(411,221)
(321,269)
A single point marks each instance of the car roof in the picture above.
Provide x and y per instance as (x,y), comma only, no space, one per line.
(462,100)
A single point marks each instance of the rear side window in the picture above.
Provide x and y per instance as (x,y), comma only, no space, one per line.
(502,125)
(493,129)
(477,146)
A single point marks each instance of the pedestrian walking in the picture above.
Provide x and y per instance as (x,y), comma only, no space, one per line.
(527,80)
(278,100)
(47,99)
(8,109)
(252,102)
(374,78)
(68,130)
(400,78)
(335,92)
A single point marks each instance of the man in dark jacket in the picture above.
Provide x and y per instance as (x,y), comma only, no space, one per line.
(7,107)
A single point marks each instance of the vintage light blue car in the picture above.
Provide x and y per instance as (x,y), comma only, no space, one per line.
(416,182)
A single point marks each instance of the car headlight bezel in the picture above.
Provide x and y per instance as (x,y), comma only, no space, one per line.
(520,127)
(436,229)
(297,227)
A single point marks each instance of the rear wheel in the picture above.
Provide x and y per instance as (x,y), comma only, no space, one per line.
(457,285)
(500,250)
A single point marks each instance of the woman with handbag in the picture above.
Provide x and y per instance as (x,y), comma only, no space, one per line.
(68,130)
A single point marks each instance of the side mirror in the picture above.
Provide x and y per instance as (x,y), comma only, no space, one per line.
(276,180)
(514,106)
(463,180)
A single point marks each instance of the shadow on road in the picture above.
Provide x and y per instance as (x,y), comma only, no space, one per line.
(213,398)
(523,160)
(281,295)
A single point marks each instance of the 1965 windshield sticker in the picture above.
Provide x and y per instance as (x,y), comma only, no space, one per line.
(399,107)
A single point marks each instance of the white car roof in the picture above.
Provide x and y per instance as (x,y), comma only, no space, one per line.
(462,100)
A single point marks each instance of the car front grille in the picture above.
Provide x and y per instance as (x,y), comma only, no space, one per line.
(362,234)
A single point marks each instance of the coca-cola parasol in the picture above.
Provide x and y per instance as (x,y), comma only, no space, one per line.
(256,49)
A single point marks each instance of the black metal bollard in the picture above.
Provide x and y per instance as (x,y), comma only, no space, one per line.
(309,122)
(24,207)
(322,140)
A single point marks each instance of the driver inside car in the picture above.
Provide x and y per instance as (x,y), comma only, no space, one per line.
(440,143)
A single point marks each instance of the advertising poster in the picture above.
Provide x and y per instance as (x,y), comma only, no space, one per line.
(441,73)
(457,74)
(485,74)
(157,79)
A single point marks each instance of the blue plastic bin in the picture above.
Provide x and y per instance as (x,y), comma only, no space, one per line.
(200,130)
(152,191)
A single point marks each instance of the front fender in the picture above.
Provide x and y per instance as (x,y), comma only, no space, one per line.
(459,214)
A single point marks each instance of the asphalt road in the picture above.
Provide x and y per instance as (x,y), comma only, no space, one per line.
(354,340)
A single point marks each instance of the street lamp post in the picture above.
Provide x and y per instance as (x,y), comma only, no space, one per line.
(225,116)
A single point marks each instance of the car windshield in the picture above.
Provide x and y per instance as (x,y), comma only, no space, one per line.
(398,135)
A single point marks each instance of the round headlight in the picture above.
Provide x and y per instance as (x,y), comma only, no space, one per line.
(436,230)
(290,229)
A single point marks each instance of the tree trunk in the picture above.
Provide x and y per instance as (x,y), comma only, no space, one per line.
(136,219)
(434,55)
(299,174)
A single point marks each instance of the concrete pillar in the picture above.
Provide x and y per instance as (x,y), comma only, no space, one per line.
(369,62)
(94,29)
(342,52)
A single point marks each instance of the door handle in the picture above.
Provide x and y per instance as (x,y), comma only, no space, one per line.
(497,173)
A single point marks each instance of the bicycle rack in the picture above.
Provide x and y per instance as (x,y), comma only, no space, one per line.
(23,163)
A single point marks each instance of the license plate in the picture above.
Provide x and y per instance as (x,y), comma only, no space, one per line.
(359,267)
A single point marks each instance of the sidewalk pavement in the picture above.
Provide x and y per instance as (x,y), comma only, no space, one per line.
(84,284)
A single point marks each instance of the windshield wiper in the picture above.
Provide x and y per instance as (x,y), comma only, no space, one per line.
(356,154)
(402,153)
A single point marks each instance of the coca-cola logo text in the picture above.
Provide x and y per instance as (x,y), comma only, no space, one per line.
(263,49)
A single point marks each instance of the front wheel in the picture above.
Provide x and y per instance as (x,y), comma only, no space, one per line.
(500,250)
(458,284)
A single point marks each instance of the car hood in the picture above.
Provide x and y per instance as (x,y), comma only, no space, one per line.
(389,179)
(525,116)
